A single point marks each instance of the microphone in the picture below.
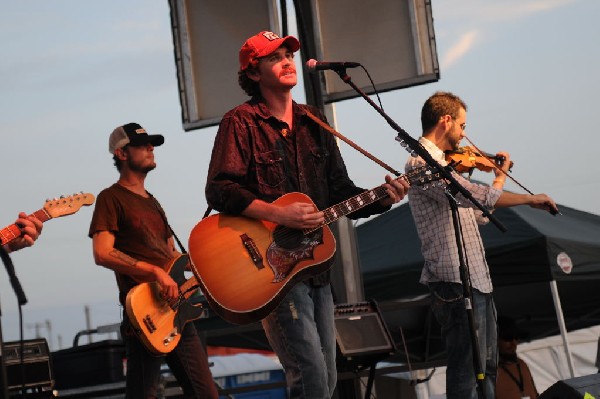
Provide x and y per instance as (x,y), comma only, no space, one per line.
(314,65)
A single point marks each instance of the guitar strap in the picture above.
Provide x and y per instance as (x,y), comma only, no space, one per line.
(352,144)
(162,215)
(343,138)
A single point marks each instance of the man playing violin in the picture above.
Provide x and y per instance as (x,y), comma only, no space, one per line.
(443,120)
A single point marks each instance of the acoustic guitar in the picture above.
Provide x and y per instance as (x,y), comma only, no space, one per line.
(157,321)
(63,206)
(246,266)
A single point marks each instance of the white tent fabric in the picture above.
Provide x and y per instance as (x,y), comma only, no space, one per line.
(546,359)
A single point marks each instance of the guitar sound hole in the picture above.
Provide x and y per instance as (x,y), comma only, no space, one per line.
(288,238)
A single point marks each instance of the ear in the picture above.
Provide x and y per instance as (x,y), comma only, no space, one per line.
(121,153)
(446,121)
(253,74)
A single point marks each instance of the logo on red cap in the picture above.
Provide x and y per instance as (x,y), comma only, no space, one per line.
(271,36)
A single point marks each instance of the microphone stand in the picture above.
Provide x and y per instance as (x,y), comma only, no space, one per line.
(465,279)
(453,187)
(406,140)
(22,299)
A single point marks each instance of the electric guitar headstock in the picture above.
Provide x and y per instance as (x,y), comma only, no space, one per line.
(67,205)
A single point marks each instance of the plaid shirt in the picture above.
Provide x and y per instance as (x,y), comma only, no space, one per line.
(433,219)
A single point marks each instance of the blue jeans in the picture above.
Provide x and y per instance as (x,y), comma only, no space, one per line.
(301,331)
(449,309)
(188,363)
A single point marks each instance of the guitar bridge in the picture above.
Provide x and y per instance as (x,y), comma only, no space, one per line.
(252,249)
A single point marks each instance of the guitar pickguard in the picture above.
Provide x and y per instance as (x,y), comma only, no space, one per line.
(290,247)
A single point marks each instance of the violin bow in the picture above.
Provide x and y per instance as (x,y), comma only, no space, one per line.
(493,162)
(483,154)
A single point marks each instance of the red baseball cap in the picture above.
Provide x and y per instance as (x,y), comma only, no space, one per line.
(263,44)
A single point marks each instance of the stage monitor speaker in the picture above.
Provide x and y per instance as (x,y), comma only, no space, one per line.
(34,371)
(362,336)
(587,387)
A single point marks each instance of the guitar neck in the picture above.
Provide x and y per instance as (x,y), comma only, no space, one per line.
(417,176)
(9,233)
(350,205)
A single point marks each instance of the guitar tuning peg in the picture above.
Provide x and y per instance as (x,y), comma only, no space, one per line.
(413,153)
(62,196)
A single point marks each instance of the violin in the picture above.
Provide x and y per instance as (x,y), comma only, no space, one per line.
(468,158)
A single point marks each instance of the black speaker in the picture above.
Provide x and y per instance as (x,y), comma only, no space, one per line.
(362,336)
(34,370)
(587,387)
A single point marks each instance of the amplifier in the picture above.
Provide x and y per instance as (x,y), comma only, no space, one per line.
(362,336)
(34,371)
(574,388)
(97,363)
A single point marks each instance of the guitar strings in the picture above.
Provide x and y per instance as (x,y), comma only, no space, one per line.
(415,176)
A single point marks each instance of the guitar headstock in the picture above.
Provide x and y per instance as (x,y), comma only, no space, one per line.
(422,176)
(67,205)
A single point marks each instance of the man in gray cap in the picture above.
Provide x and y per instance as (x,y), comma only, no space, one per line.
(131,236)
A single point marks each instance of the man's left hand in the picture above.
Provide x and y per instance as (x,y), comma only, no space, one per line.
(31,228)
(396,189)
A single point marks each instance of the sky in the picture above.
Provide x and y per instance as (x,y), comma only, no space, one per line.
(72,70)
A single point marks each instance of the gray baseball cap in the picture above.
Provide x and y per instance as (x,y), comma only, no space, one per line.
(132,134)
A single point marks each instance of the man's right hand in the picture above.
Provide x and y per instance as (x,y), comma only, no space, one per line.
(169,288)
(299,215)
(542,201)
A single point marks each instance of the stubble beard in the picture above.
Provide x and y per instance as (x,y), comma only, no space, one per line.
(141,168)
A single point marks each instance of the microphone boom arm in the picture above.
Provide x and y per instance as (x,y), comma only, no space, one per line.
(421,151)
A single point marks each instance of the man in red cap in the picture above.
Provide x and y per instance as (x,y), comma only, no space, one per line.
(268,147)
(131,236)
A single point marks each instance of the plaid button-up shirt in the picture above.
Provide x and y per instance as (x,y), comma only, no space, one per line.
(433,219)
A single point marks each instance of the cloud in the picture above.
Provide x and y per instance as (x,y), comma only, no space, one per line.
(465,43)
(475,22)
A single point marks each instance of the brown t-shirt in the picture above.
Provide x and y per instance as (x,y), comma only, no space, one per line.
(514,381)
(139,226)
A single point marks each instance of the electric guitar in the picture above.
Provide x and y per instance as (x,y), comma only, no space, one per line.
(245,266)
(157,321)
(57,207)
